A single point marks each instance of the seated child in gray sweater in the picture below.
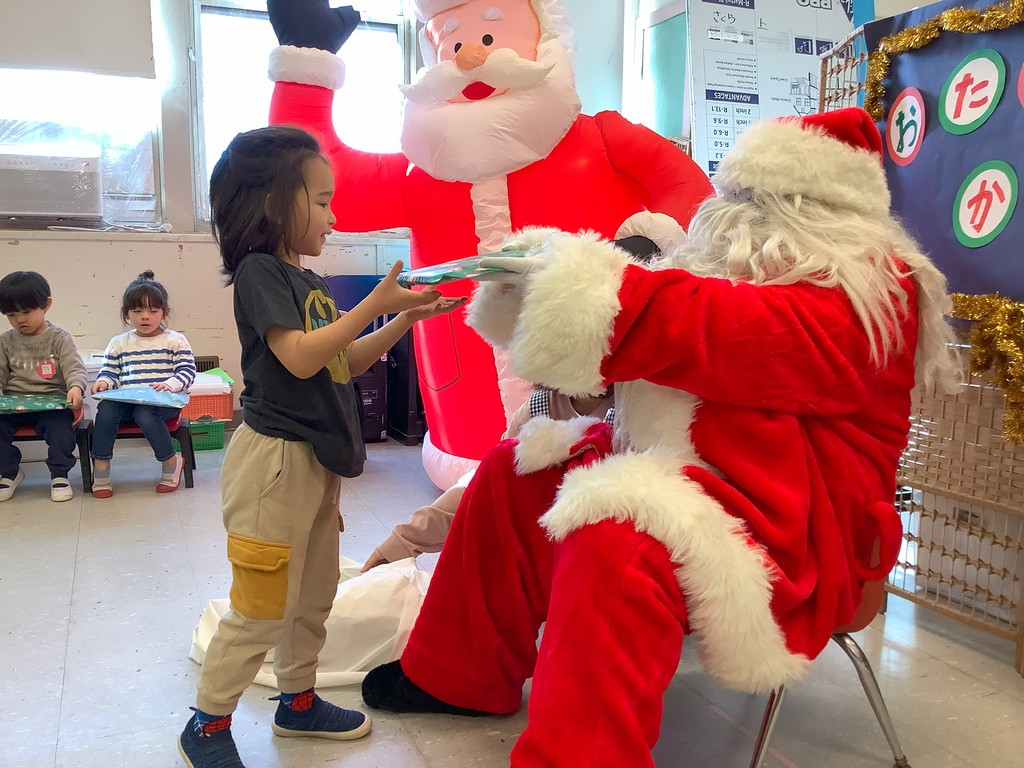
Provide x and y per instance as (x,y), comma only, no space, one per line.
(38,358)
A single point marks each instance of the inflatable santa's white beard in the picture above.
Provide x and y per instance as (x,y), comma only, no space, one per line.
(469,141)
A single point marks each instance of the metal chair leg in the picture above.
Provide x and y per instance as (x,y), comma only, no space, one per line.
(183,434)
(771,716)
(83,437)
(874,694)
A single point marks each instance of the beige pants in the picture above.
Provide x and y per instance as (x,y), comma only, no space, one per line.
(281,513)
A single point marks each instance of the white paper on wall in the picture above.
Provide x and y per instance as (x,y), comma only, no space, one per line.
(752,59)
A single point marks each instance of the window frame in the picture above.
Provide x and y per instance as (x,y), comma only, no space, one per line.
(180,172)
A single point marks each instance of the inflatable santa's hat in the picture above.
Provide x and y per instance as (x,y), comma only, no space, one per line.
(550,13)
(428,9)
(554,24)
(832,157)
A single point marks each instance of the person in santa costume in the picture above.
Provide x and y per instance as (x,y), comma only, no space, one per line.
(763,379)
(493,141)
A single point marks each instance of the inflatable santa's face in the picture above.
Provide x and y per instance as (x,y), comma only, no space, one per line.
(470,33)
(498,93)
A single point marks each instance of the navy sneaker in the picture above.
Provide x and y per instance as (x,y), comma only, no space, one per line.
(208,748)
(322,720)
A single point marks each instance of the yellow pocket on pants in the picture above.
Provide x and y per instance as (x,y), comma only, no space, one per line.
(259,577)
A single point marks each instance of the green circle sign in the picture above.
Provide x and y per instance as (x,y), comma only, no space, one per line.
(984,203)
(972,91)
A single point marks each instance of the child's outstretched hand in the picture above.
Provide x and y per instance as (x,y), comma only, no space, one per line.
(101,385)
(393,298)
(442,306)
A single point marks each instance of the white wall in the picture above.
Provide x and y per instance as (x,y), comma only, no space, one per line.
(88,273)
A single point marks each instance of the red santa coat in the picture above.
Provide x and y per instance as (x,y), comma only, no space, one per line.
(762,440)
(603,171)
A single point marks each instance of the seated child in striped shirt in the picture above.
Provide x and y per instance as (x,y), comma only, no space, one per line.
(149,354)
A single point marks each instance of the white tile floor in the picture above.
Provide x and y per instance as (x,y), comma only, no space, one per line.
(98,600)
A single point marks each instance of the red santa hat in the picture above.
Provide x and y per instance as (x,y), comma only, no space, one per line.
(833,157)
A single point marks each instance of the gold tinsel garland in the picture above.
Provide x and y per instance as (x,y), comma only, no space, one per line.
(999,16)
(997,338)
(997,344)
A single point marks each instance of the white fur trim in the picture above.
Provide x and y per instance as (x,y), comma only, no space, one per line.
(723,575)
(545,442)
(789,158)
(494,311)
(309,66)
(651,416)
(569,306)
(529,237)
(659,227)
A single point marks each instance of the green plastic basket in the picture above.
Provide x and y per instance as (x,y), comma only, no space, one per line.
(206,435)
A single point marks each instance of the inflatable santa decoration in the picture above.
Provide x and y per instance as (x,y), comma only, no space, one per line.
(492,141)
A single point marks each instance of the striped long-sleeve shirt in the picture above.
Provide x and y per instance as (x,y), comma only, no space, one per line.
(131,360)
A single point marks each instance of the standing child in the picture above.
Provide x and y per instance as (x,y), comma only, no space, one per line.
(149,354)
(37,358)
(270,194)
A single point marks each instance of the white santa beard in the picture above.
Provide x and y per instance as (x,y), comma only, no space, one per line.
(459,142)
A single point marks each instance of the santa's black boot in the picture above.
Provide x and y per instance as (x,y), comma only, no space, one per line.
(386,687)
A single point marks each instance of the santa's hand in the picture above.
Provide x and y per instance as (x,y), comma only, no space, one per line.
(312,23)
(513,269)
(531,237)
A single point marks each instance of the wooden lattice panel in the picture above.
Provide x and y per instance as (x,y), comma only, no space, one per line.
(962,502)
(843,69)
(961,484)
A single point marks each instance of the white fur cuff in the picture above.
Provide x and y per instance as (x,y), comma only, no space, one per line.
(570,303)
(723,574)
(494,311)
(308,66)
(528,237)
(786,158)
(545,442)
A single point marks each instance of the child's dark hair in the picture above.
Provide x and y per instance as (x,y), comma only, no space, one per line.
(252,191)
(144,291)
(23,291)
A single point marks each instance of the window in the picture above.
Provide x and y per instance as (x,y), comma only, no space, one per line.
(235,92)
(77,148)
(134,146)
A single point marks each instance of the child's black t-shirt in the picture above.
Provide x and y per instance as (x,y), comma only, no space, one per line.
(321,410)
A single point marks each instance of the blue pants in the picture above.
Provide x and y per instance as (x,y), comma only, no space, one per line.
(150,418)
(55,427)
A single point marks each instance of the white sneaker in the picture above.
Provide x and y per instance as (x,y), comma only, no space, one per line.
(8,484)
(61,490)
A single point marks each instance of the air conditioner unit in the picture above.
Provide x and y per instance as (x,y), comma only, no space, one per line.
(38,191)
